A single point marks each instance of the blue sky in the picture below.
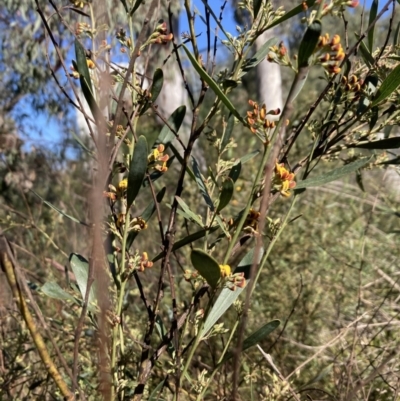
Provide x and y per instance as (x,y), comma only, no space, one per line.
(47,132)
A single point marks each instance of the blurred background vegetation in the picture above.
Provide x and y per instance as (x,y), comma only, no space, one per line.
(333,278)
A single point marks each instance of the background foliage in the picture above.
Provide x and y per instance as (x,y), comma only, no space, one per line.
(331,277)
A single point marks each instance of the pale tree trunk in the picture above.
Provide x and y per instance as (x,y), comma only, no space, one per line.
(269,80)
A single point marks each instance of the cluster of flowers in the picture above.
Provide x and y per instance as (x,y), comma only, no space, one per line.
(157,155)
(352,84)
(232,281)
(160,34)
(283,180)
(157,160)
(279,54)
(337,5)
(145,263)
(330,53)
(257,119)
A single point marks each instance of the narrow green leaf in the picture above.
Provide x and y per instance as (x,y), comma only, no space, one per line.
(193,216)
(394,161)
(227,297)
(249,156)
(259,56)
(389,143)
(372,15)
(81,144)
(60,211)
(366,55)
(174,121)
(256,337)
(188,240)
(125,5)
(334,174)
(135,7)
(213,85)
(245,264)
(146,216)
(223,227)
(297,10)
(86,81)
(201,184)
(396,39)
(374,117)
(389,85)
(158,81)
(157,390)
(256,7)
(53,290)
(207,266)
(235,171)
(226,194)
(137,170)
(359,180)
(163,333)
(298,83)
(309,43)
(82,65)
(80,267)
(228,131)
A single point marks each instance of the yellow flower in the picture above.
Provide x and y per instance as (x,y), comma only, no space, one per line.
(122,185)
(283,180)
(225,270)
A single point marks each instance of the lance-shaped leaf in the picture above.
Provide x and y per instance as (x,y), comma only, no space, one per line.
(212,84)
(137,170)
(154,396)
(374,117)
(389,85)
(188,240)
(372,15)
(235,171)
(200,183)
(389,143)
(309,43)
(366,54)
(255,338)
(158,81)
(396,38)
(135,7)
(394,161)
(249,156)
(256,7)
(146,215)
(227,297)
(169,130)
(334,174)
(226,194)
(59,210)
(189,214)
(207,266)
(80,267)
(259,56)
(53,290)
(85,79)
(228,131)
(163,333)
(297,10)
